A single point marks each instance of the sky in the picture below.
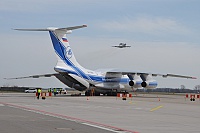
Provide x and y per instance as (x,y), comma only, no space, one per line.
(163,34)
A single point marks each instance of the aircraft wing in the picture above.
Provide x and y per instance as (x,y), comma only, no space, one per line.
(153,74)
(35,76)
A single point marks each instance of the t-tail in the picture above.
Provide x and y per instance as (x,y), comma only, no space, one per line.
(66,59)
(74,74)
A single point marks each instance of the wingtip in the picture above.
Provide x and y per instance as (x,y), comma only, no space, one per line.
(15,29)
(194,78)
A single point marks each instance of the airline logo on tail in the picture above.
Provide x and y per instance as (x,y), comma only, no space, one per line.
(68,53)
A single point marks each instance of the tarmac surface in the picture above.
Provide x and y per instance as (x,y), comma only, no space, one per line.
(149,113)
(15,120)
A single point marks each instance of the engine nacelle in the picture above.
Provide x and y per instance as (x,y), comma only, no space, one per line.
(131,83)
(135,81)
(149,84)
(135,84)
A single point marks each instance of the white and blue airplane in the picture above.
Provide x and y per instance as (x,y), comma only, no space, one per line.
(107,82)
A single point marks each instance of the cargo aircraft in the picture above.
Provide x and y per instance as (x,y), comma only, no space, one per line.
(107,82)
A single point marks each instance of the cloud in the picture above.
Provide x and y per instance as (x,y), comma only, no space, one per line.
(148,25)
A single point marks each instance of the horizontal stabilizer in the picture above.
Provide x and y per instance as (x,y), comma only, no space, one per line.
(53,28)
(33,29)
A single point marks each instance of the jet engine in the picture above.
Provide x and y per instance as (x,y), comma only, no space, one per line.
(148,82)
(135,81)
(135,84)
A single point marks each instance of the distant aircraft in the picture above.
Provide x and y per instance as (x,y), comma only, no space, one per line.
(107,82)
(121,45)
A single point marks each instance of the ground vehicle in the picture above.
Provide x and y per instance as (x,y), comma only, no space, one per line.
(63,91)
(32,90)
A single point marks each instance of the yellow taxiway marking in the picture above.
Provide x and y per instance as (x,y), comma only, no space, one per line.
(156,108)
(131,102)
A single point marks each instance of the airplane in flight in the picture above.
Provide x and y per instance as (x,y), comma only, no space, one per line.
(121,45)
(106,82)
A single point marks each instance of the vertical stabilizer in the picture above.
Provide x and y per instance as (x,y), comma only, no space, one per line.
(64,53)
(63,50)
(66,60)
